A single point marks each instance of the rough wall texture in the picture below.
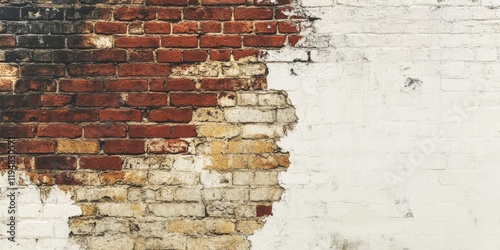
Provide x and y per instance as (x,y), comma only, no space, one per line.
(397,141)
(154,116)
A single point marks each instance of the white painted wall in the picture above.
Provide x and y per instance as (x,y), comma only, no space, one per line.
(359,126)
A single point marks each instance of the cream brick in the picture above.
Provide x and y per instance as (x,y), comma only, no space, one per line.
(212,194)
(227,99)
(177,209)
(110,226)
(188,194)
(247,99)
(111,242)
(272,99)
(117,194)
(219,242)
(265,178)
(167,242)
(243,178)
(208,115)
(121,209)
(165,194)
(265,194)
(150,162)
(157,177)
(260,131)
(249,115)
(236,194)
(286,115)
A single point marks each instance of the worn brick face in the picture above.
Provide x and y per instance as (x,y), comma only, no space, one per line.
(132,108)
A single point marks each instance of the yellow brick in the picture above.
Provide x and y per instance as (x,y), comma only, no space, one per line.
(220,226)
(186,227)
(268,162)
(218,147)
(249,226)
(88,209)
(219,131)
(250,146)
(77,147)
(225,162)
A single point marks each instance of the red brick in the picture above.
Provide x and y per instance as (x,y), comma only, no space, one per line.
(132,147)
(120,115)
(221,14)
(101,163)
(137,42)
(196,100)
(220,41)
(143,69)
(169,56)
(92,70)
(293,40)
(20,161)
(36,147)
(253,14)
(169,14)
(157,28)
(127,85)
(184,131)
(271,2)
(43,70)
(167,2)
(67,178)
(5,85)
(147,99)
(136,28)
(210,27)
(141,56)
(170,115)
(288,27)
(266,27)
(232,84)
(110,28)
(48,100)
(7,41)
(223,2)
(17,131)
(105,130)
(179,41)
(172,85)
(59,130)
(238,27)
(25,85)
(81,85)
(168,147)
(43,115)
(55,162)
(98,100)
(263,210)
(258,83)
(111,55)
(264,41)
(134,13)
(185,27)
(194,56)
(220,55)
(149,131)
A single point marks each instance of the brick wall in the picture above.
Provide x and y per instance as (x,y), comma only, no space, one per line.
(153,115)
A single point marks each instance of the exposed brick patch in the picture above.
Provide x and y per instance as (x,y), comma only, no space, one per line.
(134,107)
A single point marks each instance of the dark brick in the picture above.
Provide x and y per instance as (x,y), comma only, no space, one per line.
(40,27)
(10,13)
(17,27)
(17,55)
(53,162)
(63,56)
(101,163)
(42,13)
(86,13)
(42,56)
(17,131)
(41,41)
(124,147)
